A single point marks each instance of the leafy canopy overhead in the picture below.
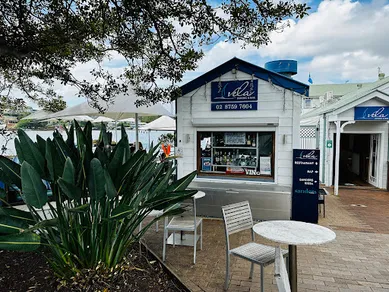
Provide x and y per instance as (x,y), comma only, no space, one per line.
(41,41)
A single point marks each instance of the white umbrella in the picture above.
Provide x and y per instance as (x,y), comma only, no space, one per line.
(38,115)
(163,123)
(103,120)
(70,118)
(128,120)
(123,107)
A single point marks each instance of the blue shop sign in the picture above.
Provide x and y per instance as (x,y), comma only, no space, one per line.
(234,106)
(236,90)
(371,113)
(206,163)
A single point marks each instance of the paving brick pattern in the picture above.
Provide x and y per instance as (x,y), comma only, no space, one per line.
(357,261)
(370,206)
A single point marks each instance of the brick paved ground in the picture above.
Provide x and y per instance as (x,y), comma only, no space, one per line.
(375,214)
(357,261)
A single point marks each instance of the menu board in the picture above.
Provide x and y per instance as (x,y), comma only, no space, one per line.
(305,192)
(236,138)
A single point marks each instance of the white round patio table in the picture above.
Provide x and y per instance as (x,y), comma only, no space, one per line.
(294,233)
(198,195)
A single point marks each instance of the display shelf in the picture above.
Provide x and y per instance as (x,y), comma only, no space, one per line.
(217,153)
(233,147)
(230,165)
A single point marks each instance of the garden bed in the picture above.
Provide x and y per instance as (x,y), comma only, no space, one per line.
(31,272)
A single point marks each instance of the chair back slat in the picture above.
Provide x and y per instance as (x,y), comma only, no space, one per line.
(237,217)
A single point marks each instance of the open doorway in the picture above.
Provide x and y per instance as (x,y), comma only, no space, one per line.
(355,159)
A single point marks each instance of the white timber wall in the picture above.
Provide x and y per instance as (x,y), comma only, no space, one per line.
(274,104)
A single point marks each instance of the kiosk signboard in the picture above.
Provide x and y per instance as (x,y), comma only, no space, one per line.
(305,189)
(235,95)
(371,113)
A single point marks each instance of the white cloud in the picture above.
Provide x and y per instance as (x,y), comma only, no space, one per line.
(337,26)
(341,41)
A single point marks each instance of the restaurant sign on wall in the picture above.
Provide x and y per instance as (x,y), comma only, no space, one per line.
(234,95)
(371,113)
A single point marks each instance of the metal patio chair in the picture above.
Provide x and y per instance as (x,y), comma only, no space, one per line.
(153,214)
(280,272)
(184,223)
(322,201)
(237,217)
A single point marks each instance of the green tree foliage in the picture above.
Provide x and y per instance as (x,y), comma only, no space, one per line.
(99,198)
(52,105)
(42,40)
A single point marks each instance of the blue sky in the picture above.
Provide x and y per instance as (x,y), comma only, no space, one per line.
(339,41)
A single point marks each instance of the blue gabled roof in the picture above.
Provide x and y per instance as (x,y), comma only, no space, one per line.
(259,72)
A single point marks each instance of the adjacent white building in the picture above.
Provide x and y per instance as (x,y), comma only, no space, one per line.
(352,133)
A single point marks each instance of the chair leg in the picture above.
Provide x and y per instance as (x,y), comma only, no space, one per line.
(251,270)
(194,245)
(324,210)
(140,244)
(262,279)
(227,272)
(165,236)
(201,235)
(174,239)
(156,226)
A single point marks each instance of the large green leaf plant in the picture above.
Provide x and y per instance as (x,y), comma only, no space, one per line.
(99,198)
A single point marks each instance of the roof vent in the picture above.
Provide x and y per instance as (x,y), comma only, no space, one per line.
(359,85)
(284,67)
(381,75)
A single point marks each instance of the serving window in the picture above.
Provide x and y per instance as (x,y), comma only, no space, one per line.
(236,154)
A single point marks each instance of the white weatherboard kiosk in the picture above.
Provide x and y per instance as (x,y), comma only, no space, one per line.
(237,126)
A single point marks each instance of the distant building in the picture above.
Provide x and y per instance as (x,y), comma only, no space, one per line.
(350,126)
(10,121)
(320,93)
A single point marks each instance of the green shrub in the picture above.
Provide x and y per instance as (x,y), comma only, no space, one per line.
(99,198)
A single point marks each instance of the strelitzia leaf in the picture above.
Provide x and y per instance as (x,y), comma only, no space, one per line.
(17,214)
(68,171)
(121,212)
(80,209)
(34,191)
(96,180)
(44,224)
(54,163)
(19,151)
(21,242)
(70,135)
(118,157)
(10,172)
(10,225)
(109,186)
(70,190)
(31,153)
(41,144)
(182,183)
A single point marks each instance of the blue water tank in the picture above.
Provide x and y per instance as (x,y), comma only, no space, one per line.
(285,67)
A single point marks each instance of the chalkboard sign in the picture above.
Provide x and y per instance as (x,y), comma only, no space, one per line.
(305,191)
(237,138)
